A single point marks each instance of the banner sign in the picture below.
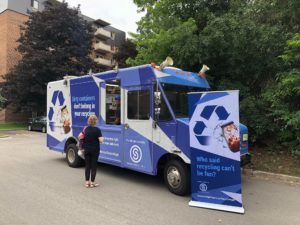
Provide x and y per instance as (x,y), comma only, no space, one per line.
(215,151)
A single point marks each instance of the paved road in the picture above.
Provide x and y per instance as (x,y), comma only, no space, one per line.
(38,188)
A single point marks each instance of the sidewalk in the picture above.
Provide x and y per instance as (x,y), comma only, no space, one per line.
(274,177)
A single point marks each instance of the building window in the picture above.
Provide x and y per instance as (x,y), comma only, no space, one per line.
(35,4)
(138,107)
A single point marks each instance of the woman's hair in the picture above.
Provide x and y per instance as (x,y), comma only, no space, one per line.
(92,121)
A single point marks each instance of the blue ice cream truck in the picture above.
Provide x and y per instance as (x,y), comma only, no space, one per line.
(143,115)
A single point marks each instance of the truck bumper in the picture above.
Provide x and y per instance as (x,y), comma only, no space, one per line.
(245,159)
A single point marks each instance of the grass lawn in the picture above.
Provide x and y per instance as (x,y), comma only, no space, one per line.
(12,126)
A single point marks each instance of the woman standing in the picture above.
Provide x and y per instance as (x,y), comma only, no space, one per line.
(91,145)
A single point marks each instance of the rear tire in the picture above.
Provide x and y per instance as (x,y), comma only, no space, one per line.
(73,159)
(44,129)
(177,177)
(29,128)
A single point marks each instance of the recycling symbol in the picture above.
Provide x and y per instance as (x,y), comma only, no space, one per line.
(57,99)
(57,102)
(206,114)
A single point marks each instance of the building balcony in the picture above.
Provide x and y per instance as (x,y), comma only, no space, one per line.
(101,33)
(105,62)
(102,47)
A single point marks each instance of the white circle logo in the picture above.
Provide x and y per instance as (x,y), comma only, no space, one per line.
(136,154)
(203,187)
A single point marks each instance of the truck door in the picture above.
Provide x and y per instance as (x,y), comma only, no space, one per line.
(137,109)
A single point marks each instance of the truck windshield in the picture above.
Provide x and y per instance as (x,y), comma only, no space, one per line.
(178,98)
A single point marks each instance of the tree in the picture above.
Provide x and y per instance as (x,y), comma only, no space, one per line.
(54,43)
(172,27)
(235,38)
(277,12)
(2,99)
(127,50)
(235,46)
(284,97)
(177,41)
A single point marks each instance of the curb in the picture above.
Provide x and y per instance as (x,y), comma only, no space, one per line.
(3,136)
(272,176)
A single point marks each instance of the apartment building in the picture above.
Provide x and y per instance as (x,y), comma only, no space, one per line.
(107,41)
(14,13)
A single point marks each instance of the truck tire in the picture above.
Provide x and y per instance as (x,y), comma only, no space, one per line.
(29,128)
(72,156)
(177,177)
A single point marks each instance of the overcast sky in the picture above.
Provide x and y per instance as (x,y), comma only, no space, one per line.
(121,14)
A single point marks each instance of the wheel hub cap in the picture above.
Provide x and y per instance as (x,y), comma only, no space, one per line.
(173,176)
(71,155)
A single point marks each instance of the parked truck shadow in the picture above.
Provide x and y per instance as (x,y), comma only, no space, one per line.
(124,174)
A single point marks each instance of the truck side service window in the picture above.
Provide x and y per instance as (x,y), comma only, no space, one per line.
(113,102)
(138,107)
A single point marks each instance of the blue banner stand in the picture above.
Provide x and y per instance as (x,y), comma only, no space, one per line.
(215,151)
(234,209)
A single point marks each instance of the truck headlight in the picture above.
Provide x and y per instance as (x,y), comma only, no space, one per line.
(245,137)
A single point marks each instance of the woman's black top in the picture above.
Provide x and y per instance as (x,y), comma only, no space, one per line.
(91,141)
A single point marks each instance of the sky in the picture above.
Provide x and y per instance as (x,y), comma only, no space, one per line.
(121,14)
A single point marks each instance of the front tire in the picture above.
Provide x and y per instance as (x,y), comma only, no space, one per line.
(177,177)
(72,156)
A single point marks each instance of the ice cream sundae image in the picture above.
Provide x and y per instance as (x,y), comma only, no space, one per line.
(65,119)
(231,135)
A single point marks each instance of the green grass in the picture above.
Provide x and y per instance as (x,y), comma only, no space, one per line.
(12,126)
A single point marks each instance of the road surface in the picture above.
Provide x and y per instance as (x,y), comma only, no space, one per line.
(38,188)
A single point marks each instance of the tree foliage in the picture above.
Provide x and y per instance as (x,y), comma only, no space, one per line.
(2,99)
(127,50)
(54,43)
(284,96)
(240,41)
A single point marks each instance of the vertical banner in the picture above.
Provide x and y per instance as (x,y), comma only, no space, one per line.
(215,151)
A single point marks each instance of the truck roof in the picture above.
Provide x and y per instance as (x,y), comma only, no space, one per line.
(144,74)
(177,76)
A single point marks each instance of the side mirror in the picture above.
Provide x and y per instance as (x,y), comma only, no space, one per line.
(157,98)
(157,111)
(157,103)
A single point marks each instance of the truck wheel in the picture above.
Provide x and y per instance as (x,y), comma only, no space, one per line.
(177,177)
(29,128)
(72,157)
